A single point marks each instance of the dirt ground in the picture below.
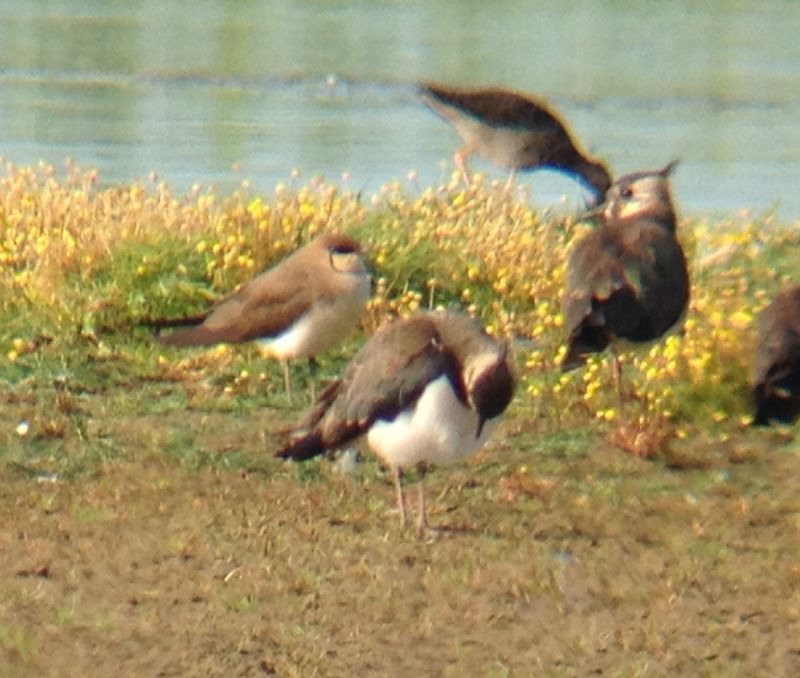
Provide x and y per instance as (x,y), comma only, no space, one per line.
(558,559)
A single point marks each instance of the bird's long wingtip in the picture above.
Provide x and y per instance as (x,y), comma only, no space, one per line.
(303,448)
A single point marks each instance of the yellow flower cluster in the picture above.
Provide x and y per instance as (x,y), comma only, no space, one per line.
(70,247)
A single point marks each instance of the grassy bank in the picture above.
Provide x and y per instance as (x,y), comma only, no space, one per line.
(148,526)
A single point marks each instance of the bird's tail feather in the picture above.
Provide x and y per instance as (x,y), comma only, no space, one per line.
(300,449)
(197,336)
(165,323)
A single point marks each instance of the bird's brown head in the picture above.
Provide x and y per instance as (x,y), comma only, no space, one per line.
(490,384)
(344,253)
(640,195)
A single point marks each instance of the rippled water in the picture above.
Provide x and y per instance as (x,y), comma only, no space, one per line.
(217,91)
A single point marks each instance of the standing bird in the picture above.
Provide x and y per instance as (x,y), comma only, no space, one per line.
(303,306)
(776,390)
(513,130)
(627,279)
(425,389)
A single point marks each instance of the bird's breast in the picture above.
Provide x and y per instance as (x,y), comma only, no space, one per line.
(327,322)
(508,147)
(437,429)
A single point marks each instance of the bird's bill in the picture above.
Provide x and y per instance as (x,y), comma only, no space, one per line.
(593,211)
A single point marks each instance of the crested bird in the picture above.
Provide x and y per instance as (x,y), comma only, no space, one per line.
(306,304)
(515,131)
(776,372)
(627,279)
(424,389)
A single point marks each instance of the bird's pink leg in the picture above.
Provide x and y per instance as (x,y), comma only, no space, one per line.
(616,375)
(422,519)
(287,380)
(510,183)
(401,500)
(460,160)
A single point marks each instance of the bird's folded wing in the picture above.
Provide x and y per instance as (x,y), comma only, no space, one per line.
(495,107)
(265,307)
(390,373)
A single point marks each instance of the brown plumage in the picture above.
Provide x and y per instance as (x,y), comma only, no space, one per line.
(776,373)
(423,389)
(515,131)
(304,305)
(628,278)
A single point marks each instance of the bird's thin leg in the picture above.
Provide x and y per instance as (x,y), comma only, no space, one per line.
(313,368)
(510,182)
(460,160)
(422,519)
(401,500)
(616,375)
(287,382)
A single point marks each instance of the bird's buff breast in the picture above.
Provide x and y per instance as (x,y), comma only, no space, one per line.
(326,324)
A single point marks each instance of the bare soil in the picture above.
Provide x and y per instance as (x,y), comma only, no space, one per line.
(554,560)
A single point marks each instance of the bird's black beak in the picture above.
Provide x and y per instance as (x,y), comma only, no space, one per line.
(481,422)
(593,211)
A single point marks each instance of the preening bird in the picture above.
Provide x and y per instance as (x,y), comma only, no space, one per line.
(515,131)
(627,279)
(425,389)
(776,372)
(306,304)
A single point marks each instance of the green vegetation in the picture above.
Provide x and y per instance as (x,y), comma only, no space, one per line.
(149,530)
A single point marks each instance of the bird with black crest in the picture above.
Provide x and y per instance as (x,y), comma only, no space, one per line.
(427,389)
(628,279)
(515,131)
(776,371)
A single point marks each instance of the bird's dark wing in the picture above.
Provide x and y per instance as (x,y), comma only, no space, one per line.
(496,107)
(776,369)
(598,282)
(661,282)
(391,372)
(385,377)
(778,345)
(632,280)
(264,307)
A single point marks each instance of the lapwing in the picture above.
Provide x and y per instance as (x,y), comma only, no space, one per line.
(515,131)
(627,279)
(776,372)
(427,389)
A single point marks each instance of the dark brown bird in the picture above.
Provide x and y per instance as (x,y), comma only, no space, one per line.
(425,389)
(515,131)
(776,390)
(627,279)
(303,306)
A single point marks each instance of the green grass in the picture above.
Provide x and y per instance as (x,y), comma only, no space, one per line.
(148,528)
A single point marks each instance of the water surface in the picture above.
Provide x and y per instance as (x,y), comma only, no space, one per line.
(217,91)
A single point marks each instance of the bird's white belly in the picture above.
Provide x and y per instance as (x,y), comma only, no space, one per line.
(505,146)
(439,429)
(323,326)
(292,342)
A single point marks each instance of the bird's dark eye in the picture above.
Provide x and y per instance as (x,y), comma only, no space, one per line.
(627,193)
(343,249)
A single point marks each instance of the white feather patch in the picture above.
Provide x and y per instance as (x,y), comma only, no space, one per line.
(439,429)
(326,324)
